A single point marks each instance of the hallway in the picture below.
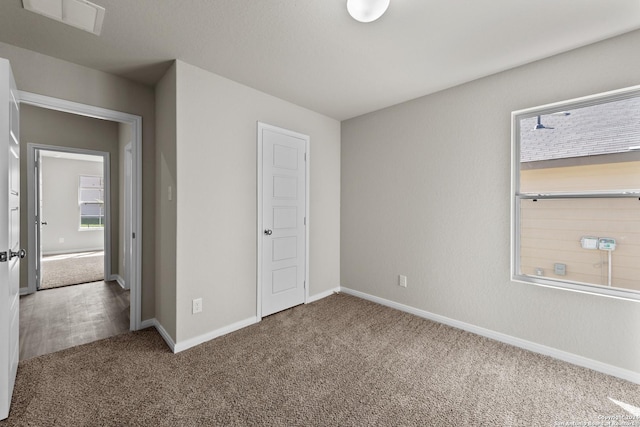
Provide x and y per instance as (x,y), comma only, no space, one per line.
(54,319)
(72,269)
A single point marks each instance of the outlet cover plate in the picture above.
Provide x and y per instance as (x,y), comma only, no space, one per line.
(402,281)
(197,306)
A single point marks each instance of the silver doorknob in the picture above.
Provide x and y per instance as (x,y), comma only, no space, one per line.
(21,253)
(268,232)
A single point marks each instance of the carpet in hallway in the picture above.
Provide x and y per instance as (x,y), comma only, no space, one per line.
(71,269)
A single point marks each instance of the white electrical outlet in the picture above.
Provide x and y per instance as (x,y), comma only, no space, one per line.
(402,281)
(197,305)
(61,240)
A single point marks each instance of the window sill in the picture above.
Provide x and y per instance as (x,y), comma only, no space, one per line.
(585,288)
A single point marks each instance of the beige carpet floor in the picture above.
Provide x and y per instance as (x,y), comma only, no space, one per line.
(71,269)
(340,361)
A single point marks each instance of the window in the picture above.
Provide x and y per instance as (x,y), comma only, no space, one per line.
(576,194)
(91,202)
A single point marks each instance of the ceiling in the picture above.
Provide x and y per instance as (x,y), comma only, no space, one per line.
(311,53)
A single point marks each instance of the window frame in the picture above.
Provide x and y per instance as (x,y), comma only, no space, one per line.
(80,203)
(516,197)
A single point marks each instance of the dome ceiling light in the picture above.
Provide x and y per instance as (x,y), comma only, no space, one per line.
(367,10)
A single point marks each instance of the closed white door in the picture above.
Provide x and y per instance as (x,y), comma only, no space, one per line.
(283,213)
(10,253)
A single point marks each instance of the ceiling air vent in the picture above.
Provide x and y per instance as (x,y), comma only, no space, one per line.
(77,13)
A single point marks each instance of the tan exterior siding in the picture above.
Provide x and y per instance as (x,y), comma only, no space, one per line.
(551,229)
(600,177)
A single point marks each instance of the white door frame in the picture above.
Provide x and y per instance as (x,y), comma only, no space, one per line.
(259,231)
(128,212)
(135,261)
(34,242)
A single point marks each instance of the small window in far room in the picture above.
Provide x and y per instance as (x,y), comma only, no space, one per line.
(91,202)
(576,195)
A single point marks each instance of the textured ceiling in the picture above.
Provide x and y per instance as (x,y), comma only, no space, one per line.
(310,52)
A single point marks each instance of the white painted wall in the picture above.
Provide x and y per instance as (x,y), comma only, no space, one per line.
(217,195)
(60,207)
(426,194)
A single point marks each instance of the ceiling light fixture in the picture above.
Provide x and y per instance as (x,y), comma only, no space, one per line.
(77,13)
(367,10)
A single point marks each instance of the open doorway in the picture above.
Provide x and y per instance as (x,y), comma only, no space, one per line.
(73,162)
(126,260)
(96,152)
(71,214)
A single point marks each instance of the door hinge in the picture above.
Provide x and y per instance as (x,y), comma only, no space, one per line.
(133,235)
(305,220)
(305,284)
(3,257)
(305,157)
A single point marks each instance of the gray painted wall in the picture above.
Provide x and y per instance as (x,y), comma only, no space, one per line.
(217,194)
(426,193)
(49,76)
(165,304)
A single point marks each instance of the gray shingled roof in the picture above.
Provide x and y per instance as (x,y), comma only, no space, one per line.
(607,128)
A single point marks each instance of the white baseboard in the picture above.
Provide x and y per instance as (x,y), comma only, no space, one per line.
(148,323)
(161,330)
(322,295)
(72,251)
(120,281)
(192,342)
(574,359)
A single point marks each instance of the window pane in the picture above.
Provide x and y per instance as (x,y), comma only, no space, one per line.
(90,209)
(91,221)
(91,215)
(590,148)
(551,235)
(91,198)
(581,179)
(91,181)
(90,195)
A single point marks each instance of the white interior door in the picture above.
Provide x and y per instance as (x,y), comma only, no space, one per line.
(10,253)
(283,214)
